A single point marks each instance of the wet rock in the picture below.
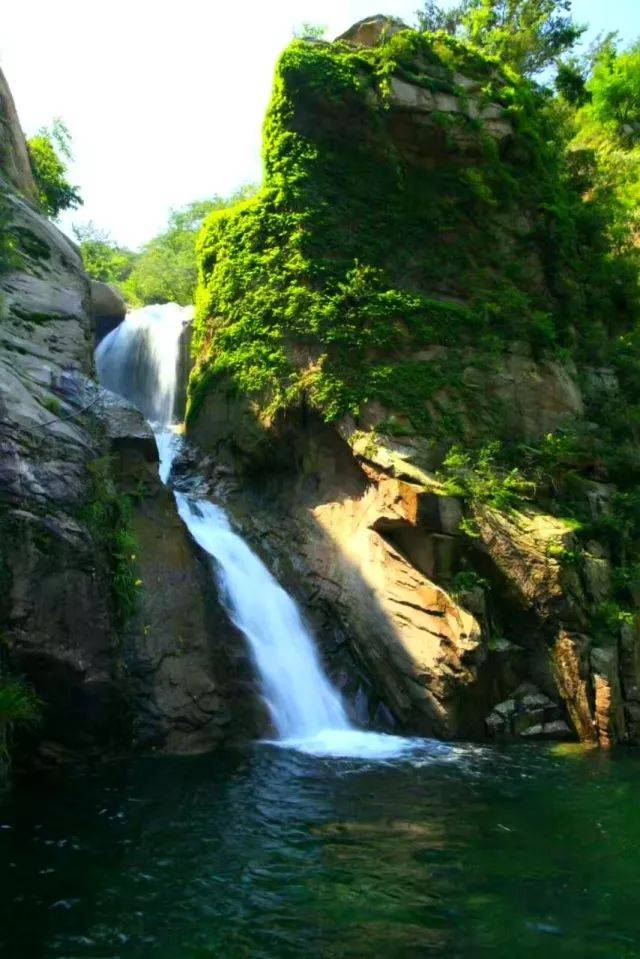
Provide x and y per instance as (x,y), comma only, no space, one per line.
(526,720)
(608,708)
(529,713)
(124,426)
(558,730)
(496,726)
(596,570)
(108,308)
(188,669)
(506,709)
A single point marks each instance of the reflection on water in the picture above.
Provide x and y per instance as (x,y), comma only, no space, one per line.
(270,854)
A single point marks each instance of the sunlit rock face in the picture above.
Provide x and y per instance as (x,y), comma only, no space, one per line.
(56,624)
(14,158)
(372,30)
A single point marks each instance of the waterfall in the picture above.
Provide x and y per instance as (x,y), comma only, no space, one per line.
(139,360)
(300,698)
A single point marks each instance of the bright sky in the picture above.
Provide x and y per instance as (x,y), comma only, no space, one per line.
(165,99)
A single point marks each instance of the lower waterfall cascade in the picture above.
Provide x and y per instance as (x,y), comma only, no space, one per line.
(139,361)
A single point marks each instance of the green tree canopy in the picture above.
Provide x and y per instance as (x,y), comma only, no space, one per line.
(165,270)
(103,259)
(529,35)
(606,139)
(49,152)
(614,88)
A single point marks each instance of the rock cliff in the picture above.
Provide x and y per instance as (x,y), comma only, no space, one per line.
(415,360)
(105,607)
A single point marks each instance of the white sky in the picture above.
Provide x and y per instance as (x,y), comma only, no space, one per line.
(165,100)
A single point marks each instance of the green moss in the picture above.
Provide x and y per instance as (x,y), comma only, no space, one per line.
(608,618)
(107,514)
(351,258)
(53,404)
(19,707)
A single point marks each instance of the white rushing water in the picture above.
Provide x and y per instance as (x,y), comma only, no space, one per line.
(139,360)
(300,698)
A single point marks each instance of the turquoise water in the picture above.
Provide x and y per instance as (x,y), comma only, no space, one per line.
(265,853)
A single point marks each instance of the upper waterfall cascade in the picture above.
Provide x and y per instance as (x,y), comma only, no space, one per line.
(139,360)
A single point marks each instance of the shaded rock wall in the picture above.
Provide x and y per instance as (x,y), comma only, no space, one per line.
(187,669)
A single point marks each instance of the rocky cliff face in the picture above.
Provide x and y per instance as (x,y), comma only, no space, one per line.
(414,360)
(104,606)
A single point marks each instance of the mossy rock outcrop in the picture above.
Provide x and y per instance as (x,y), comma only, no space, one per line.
(416,221)
(422,269)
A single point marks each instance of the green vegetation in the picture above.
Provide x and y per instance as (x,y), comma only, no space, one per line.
(606,137)
(165,269)
(362,260)
(528,35)
(467,581)
(481,478)
(362,280)
(310,31)
(10,242)
(103,259)
(19,707)
(53,405)
(108,517)
(49,152)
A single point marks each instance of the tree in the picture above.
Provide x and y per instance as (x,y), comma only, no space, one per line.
(433,18)
(310,31)
(529,35)
(606,140)
(614,88)
(165,270)
(103,259)
(570,82)
(49,152)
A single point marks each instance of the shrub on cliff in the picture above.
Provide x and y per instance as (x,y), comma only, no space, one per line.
(607,138)
(49,152)
(528,35)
